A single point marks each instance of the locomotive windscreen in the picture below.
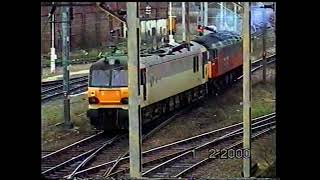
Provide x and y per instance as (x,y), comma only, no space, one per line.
(100,78)
(117,77)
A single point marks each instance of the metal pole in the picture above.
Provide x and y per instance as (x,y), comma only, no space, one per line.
(53,55)
(224,15)
(246,88)
(188,25)
(133,22)
(264,61)
(221,15)
(171,40)
(156,36)
(275,12)
(183,21)
(235,17)
(65,26)
(275,16)
(205,14)
(201,14)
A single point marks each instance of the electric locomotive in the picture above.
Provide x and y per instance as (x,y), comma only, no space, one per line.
(170,78)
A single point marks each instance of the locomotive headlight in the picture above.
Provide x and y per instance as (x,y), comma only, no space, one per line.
(124,101)
(93,100)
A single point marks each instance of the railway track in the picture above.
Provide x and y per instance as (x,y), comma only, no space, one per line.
(121,149)
(52,162)
(257,64)
(195,157)
(157,159)
(93,150)
(53,89)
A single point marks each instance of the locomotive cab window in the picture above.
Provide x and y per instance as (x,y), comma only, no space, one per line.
(116,77)
(212,54)
(195,64)
(99,78)
(119,78)
(204,61)
(144,82)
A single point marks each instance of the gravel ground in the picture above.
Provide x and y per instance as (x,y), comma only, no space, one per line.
(61,138)
(55,137)
(263,153)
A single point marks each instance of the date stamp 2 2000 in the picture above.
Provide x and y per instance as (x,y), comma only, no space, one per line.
(229,153)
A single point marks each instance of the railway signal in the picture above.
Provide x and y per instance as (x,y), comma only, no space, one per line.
(53,55)
(200,30)
(148,9)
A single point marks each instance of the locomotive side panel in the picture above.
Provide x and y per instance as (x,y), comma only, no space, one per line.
(229,57)
(173,77)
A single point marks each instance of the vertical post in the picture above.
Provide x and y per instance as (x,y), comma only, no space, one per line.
(205,14)
(97,29)
(264,60)
(275,17)
(183,21)
(221,16)
(188,25)
(154,36)
(111,40)
(275,12)
(246,88)
(225,16)
(133,43)
(171,40)
(83,31)
(65,26)
(53,55)
(146,37)
(234,17)
(201,14)
(157,34)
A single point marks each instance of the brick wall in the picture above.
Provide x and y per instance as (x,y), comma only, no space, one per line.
(90,27)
